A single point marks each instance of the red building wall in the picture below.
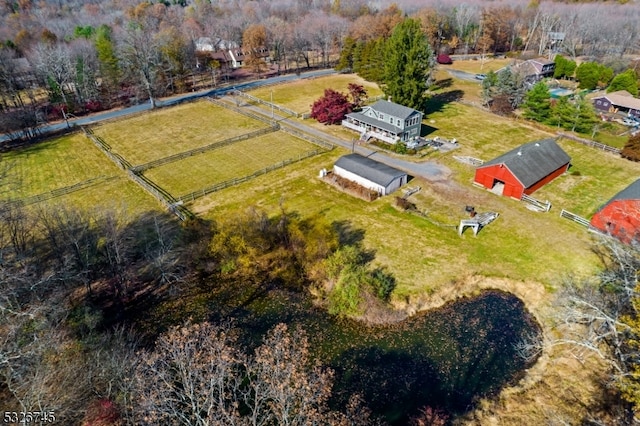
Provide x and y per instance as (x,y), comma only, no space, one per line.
(620,218)
(533,188)
(486,176)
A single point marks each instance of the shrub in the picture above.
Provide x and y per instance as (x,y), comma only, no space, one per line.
(631,150)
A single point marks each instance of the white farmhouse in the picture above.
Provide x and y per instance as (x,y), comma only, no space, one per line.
(386,121)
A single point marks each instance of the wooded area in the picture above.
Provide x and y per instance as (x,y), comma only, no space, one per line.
(71,58)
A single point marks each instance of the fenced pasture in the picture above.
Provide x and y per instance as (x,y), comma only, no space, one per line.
(170,131)
(231,161)
(53,165)
(69,170)
(299,95)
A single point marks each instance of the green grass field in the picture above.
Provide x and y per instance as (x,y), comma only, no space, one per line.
(424,256)
(54,164)
(300,95)
(170,131)
(66,161)
(235,160)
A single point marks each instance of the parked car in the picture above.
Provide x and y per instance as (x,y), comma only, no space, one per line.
(481,76)
(630,122)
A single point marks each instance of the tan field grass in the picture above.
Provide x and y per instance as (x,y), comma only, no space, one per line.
(478,66)
(300,95)
(168,131)
(232,161)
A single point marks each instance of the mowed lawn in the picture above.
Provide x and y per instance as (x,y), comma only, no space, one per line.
(66,161)
(232,161)
(425,254)
(169,131)
(300,95)
(53,164)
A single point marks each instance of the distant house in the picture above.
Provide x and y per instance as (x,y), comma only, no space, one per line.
(523,170)
(238,56)
(386,121)
(620,216)
(369,173)
(534,70)
(620,101)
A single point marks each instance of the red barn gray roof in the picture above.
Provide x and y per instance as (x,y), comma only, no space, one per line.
(532,161)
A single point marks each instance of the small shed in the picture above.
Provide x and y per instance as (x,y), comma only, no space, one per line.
(620,216)
(369,173)
(523,170)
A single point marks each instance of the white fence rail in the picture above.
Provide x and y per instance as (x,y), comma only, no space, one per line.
(540,205)
(574,217)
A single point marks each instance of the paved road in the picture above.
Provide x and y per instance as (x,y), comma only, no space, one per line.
(56,127)
(426,169)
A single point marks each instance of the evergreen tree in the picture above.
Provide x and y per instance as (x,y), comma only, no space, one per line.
(627,80)
(537,105)
(565,68)
(562,113)
(591,75)
(346,55)
(407,65)
(586,116)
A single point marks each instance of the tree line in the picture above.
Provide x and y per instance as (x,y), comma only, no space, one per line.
(77,285)
(54,63)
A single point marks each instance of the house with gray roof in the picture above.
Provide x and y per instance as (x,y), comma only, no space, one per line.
(524,169)
(385,121)
(618,102)
(369,173)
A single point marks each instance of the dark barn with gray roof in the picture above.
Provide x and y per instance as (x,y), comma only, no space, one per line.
(370,173)
(523,170)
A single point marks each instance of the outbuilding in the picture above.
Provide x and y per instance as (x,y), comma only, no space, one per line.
(369,173)
(620,216)
(523,170)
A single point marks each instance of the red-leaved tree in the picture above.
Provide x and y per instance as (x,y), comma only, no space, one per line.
(358,94)
(331,108)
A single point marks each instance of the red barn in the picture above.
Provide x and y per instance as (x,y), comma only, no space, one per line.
(524,169)
(620,216)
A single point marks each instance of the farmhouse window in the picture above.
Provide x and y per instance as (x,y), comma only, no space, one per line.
(381,116)
(598,102)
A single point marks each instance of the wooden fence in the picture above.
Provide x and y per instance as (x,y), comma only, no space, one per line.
(236,181)
(269,104)
(589,142)
(64,191)
(314,140)
(574,217)
(171,158)
(156,191)
(540,205)
(239,110)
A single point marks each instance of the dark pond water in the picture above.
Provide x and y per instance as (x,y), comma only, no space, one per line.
(445,358)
